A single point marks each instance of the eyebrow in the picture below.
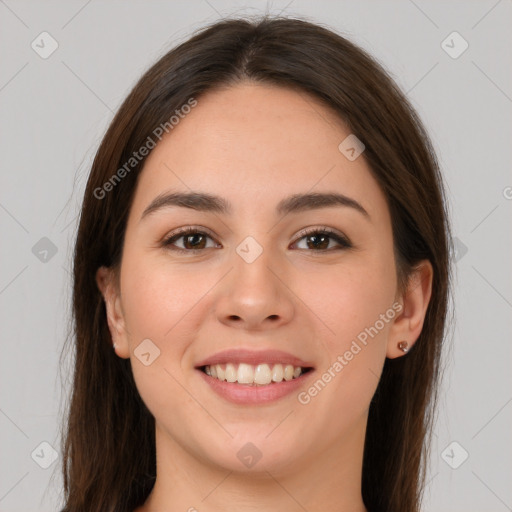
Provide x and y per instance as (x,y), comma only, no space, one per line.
(295,203)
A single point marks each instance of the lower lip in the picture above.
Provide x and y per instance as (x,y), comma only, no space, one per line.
(244,394)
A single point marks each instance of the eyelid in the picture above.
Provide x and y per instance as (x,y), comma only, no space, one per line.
(193,228)
(180,232)
(333,233)
(342,240)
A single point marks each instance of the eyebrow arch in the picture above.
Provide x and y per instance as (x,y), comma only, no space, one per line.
(296,203)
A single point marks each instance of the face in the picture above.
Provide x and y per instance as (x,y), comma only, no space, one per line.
(256,288)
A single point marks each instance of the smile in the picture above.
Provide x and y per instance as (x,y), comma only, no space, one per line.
(263,374)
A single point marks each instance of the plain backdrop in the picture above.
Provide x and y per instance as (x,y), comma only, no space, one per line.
(55,108)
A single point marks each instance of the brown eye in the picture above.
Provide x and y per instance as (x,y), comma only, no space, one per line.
(193,240)
(319,240)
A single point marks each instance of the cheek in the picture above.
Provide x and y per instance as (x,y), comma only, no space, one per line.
(353,306)
(348,298)
(157,296)
(158,301)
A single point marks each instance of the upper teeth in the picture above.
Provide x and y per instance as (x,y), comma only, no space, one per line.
(248,374)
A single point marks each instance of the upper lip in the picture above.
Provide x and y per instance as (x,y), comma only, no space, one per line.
(253,357)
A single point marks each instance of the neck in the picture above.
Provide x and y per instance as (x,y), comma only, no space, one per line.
(326,481)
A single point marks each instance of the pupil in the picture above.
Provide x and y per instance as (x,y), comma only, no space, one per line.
(189,237)
(317,238)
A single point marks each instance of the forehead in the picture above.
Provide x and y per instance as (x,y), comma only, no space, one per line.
(255,144)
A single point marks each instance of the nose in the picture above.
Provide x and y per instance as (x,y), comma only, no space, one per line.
(255,295)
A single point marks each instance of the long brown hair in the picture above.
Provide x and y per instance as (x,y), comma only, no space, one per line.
(109,462)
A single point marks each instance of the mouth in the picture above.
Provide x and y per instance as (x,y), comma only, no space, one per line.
(248,377)
(264,374)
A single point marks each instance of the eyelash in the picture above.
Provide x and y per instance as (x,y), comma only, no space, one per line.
(324,230)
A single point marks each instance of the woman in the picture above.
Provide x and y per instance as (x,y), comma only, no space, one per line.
(264,243)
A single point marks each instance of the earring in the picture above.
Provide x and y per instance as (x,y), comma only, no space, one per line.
(114,346)
(403,346)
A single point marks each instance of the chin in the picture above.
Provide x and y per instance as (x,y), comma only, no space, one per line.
(254,451)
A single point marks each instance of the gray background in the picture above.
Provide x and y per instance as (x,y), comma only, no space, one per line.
(54,112)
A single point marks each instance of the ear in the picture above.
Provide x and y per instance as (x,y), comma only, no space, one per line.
(414,300)
(107,283)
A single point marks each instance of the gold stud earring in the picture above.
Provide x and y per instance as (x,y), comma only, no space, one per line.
(403,346)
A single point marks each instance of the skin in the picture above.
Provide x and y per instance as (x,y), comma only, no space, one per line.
(254,145)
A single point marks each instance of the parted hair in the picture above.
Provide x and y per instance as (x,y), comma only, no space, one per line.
(108,442)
